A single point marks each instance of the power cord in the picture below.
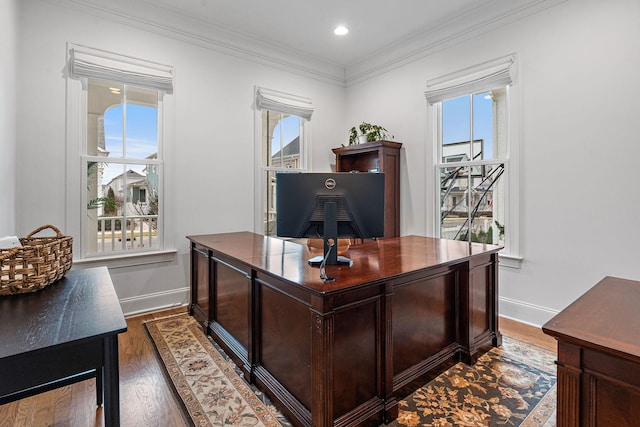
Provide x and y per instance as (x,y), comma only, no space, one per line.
(323,273)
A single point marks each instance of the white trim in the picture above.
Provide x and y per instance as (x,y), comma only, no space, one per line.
(524,312)
(86,62)
(141,304)
(511,254)
(75,128)
(414,47)
(475,79)
(258,188)
(166,138)
(278,101)
(510,261)
(512,238)
(127,260)
(170,23)
(75,190)
(166,22)
(268,99)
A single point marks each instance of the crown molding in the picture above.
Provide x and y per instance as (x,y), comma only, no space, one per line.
(168,23)
(449,33)
(147,16)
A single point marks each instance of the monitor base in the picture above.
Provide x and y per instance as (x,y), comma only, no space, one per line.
(342,260)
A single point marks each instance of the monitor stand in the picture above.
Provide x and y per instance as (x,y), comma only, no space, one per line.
(330,238)
(341,260)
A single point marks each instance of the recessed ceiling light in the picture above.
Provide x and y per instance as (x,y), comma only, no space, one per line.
(340,30)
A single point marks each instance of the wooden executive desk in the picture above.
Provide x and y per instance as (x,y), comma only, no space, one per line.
(342,353)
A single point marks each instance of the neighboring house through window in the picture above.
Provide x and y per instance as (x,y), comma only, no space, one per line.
(475,173)
(281,147)
(117,115)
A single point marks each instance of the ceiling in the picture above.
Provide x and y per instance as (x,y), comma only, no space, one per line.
(299,33)
(307,26)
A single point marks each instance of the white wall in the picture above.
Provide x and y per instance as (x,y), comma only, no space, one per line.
(8,45)
(577,66)
(579,111)
(212,163)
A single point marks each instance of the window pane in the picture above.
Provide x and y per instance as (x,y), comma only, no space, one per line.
(454,206)
(142,123)
(482,126)
(103,204)
(122,207)
(456,129)
(104,118)
(282,133)
(270,204)
(478,208)
(487,217)
(281,138)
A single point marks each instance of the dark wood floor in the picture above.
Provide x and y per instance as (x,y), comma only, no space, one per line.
(146,396)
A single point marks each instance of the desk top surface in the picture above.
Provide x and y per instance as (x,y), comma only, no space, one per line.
(83,304)
(605,318)
(372,260)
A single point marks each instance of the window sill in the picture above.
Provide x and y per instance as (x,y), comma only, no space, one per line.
(128,260)
(510,261)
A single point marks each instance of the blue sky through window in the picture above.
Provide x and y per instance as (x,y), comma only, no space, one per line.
(289,127)
(456,121)
(142,136)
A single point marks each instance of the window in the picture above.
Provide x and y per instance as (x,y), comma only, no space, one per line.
(472,156)
(117,111)
(281,146)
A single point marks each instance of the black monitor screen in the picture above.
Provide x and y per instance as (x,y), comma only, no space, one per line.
(302,200)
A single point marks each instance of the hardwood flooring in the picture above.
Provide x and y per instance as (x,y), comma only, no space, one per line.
(146,395)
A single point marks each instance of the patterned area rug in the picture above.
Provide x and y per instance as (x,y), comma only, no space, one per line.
(212,391)
(513,385)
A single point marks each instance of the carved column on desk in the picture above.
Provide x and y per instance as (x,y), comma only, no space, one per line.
(390,401)
(478,301)
(464,308)
(569,373)
(322,370)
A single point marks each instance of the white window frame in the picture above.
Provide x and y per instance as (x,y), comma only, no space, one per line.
(274,100)
(75,189)
(488,75)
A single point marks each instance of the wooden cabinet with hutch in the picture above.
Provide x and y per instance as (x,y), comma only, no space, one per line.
(384,157)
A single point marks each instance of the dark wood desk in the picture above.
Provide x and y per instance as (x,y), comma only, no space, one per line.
(342,353)
(599,356)
(65,333)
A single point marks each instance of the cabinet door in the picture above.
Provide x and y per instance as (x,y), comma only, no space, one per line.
(379,156)
(200,285)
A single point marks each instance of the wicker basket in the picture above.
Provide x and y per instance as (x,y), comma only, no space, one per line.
(38,263)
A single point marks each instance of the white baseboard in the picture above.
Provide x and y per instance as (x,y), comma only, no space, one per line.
(154,302)
(524,312)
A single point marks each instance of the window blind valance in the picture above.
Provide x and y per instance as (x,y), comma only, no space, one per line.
(267,99)
(96,64)
(480,78)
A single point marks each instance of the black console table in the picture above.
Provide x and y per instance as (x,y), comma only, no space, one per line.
(66,333)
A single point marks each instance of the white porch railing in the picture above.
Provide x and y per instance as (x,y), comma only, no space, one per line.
(140,232)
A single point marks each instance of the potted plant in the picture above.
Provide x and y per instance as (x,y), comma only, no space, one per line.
(368,132)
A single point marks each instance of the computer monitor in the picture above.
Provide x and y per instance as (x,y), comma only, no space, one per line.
(330,206)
